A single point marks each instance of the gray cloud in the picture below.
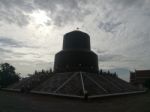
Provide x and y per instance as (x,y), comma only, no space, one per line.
(111,57)
(129,3)
(60,11)
(2,50)
(4,41)
(63,11)
(12,11)
(99,51)
(109,26)
(5,53)
(10,42)
(106,56)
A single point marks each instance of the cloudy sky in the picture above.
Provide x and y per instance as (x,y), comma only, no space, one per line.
(31,32)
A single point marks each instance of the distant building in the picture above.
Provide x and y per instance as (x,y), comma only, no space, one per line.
(139,77)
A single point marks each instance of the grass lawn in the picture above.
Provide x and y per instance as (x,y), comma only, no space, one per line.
(17,102)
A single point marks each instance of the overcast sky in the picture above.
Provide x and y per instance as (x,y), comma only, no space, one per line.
(31,32)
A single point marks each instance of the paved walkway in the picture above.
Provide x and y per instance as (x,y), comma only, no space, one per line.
(16,102)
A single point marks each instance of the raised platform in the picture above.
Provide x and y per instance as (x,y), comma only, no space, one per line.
(76,84)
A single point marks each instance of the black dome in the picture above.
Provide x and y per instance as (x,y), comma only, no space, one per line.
(76,40)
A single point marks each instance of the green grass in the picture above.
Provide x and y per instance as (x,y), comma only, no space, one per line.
(17,102)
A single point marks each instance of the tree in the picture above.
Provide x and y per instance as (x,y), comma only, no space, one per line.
(8,74)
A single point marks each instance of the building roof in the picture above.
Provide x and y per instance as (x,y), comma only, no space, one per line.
(142,71)
(76,33)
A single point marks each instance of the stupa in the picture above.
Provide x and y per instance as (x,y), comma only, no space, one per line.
(76,54)
(76,74)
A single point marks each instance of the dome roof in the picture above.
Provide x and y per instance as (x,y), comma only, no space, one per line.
(77,33)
